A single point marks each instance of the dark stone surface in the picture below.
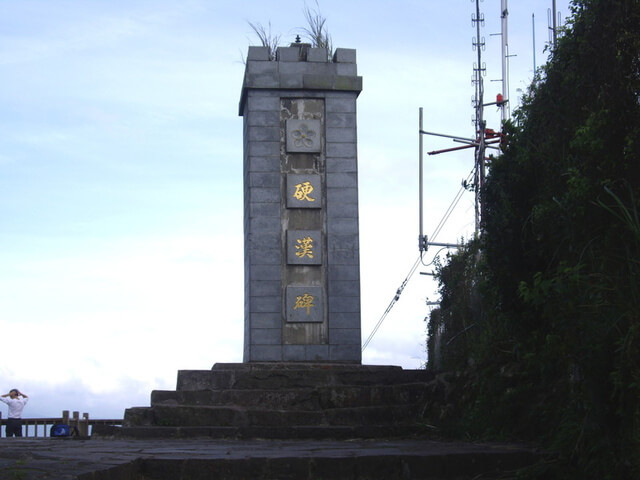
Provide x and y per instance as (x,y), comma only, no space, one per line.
(204,458)
(271,421)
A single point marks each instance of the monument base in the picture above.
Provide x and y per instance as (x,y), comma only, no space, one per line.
(284,400)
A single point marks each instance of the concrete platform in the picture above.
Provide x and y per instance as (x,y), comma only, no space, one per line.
(284,400)
(206,458)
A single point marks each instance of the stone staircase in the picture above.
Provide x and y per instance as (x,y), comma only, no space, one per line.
(296,421)
(284,400)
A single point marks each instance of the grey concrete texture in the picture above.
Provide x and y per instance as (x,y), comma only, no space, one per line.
(262,118)
(342,210)
(341,120)
(344,55)
(266,320)
(342,150)
(264,224)
(299,67)
(264,179)
(265,418)
(348,353)
(343,195)
(344,304)
(294,353)
(329,89)
(345,336)
(271,209)
(266,272)
(264,288)
(265,257)
(279,375)
(340,135)
(344,181)
(258,53)
(344,272)
(263,149)
(340,320)
(265,304)
(266,353)
(308,353)
(266,336)
(262,133)
(341,164)
(263,194)
(263,164)
(263,101)
(263,242)
(205,458)
(344,288)
(342,226)
(344,257)
(317,55)
(321,397)
(341,102)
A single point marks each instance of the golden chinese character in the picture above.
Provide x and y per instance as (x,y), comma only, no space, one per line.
(304,247)
(304,301)
(302,192)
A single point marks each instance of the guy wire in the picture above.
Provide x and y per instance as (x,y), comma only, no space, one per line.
(418,261)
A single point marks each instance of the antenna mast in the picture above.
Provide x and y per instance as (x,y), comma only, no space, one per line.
(504,106)
(553,21)
(484,138)
(533,33)
(479,70)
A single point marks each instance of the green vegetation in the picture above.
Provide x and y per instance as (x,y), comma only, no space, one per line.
(540,317)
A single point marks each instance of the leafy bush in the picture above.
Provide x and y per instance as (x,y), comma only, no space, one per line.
(552,288)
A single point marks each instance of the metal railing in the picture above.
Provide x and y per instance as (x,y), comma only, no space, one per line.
(41,427)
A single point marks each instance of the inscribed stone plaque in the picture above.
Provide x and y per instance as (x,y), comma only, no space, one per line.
(303,135)
(304,191)
(304,247)
(304,304)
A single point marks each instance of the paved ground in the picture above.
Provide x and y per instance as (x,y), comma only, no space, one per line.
(107,459)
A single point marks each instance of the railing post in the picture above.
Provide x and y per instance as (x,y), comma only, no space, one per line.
(83,425)
(75,420)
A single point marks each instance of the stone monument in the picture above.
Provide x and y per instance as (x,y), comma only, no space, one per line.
(302,375)
(301,239)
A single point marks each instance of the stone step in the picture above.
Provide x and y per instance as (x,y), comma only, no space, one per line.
(199,454)
(304,366)
(277,432)
(498,465)
(300,398)
(228,416)
(282,375)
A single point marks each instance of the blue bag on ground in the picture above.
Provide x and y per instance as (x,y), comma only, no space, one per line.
(60,430)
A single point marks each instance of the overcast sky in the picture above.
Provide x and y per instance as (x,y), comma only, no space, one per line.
(121,257)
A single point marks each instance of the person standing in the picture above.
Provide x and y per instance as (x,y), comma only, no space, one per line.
(16,401)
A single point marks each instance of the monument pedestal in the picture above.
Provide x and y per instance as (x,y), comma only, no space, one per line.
(284,400)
